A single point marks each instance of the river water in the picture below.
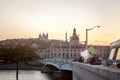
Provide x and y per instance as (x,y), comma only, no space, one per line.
(23,75)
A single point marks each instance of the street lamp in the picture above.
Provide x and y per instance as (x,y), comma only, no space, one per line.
(87,34)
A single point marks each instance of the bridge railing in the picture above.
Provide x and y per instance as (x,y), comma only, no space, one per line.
(59,60)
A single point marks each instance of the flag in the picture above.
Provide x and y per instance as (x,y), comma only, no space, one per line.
(85,54)
(91,50)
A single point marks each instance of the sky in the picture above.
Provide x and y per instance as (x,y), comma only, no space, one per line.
(29,18)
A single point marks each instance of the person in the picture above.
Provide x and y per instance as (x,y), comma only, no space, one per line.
(95,60)
(118,63)
(81,59)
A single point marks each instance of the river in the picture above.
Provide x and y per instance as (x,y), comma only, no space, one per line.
(23,75)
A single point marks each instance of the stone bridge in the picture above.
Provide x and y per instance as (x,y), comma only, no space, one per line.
(61,64)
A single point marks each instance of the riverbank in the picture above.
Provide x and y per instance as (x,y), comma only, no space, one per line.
(24,75)
(21,67)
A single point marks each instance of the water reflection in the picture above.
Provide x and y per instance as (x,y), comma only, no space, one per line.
(23,75)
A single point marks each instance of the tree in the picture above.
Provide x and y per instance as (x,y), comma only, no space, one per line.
(16,54)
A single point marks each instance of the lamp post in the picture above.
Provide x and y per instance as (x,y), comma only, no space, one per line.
(87,34)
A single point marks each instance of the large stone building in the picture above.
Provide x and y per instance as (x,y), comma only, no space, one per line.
(62,50)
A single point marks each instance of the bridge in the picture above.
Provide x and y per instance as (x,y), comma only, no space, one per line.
(82,71)
(61,64)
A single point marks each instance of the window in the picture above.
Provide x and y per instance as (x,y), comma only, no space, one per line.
(59,54)
(67,55)
(48,50)
(63,55)
(66,49)
(54,54)
(74,55)
(74,49)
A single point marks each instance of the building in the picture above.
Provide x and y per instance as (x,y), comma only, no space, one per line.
(71,50)
(64,49)
(44,37)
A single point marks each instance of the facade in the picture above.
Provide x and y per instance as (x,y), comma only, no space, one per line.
(63,50)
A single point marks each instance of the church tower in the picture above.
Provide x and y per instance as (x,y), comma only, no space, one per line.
(74,32)
(66,36)
(74,39)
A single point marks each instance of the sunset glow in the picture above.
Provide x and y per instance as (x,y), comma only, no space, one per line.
(29,18)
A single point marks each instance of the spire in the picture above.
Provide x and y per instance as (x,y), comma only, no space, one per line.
(74,31)
(66,36)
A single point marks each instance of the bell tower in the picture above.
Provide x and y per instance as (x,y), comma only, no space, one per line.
(66,36)
(74,39)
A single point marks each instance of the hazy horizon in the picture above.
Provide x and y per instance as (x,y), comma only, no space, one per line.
(29,18)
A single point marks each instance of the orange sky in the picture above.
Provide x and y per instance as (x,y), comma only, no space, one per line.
(28,18)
